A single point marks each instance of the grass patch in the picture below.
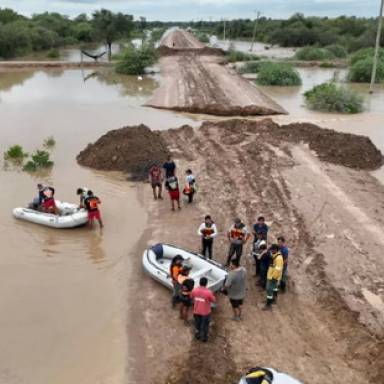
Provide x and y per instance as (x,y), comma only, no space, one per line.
(234,56)
(253,66)
(133,61)
(278,74)
(53,53)
(202,37)
(337,51)
(329,97)
(313,54)
(16,153)
(327,64)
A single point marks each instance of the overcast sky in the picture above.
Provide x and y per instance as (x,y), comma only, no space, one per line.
(199,9)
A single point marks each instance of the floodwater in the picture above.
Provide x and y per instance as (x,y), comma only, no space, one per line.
(64,293)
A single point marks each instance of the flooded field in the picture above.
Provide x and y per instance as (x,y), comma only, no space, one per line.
(64,293)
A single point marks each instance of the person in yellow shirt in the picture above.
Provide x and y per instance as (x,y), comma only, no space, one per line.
(275,272)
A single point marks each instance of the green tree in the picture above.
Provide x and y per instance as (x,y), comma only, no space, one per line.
(133,61)
(111,26)
(8,15)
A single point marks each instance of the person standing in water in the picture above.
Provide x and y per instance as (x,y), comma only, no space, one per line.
(82,193)
(156,181)
(91,203)
(207,231)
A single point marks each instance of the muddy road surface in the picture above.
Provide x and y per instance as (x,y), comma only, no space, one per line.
(197,83)
(329,326)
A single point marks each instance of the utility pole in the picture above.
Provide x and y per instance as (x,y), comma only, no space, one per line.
(254,30)
(378,36)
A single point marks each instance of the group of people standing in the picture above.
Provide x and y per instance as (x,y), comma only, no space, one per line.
(167,175)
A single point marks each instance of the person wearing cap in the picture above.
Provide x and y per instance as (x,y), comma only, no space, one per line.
(207,231)
(284,252)
(274,275)
(238,235)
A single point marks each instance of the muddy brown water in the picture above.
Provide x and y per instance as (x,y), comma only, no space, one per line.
(64,293)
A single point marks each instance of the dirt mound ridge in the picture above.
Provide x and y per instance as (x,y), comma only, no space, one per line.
(206,51)
(131,150)
(349,150)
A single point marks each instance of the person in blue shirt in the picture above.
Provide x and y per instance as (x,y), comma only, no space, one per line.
(169,167)
(284,252)
(260,228)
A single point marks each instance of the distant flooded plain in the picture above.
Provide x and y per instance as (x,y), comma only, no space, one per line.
(64,294)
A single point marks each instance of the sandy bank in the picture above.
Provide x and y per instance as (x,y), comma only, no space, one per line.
(329,327)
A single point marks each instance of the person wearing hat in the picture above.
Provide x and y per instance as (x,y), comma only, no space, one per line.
(238,235)
(186,286)
(275,272)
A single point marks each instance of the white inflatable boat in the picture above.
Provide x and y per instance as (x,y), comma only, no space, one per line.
(157,260)
(70,216)
(274,377)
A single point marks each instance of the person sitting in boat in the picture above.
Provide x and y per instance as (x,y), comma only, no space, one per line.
(186,287)
(38,200)
(174,270)
(82,193)
(48,205)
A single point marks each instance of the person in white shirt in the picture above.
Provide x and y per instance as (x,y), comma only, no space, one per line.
(207,231)
(190,185)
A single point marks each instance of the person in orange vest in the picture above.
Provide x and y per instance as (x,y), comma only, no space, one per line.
(91,203)
(207,231)
(238,235)
(186,286)
(190,186)
(174,271)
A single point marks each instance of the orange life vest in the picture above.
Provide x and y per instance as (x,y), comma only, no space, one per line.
(175,272)
(207,231)
(237,233)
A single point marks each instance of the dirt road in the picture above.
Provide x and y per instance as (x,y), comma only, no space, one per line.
(198,83)
(329,326)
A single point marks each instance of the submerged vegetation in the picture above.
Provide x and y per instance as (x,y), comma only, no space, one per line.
(313,53)
(15,153)
(49,142)
(39,159)
(133,61)
(361,64)
(278,74)
(329,97)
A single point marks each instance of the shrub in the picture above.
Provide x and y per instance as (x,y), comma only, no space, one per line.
(30,166)
(327,64)
(278,74)
(313,53)
(49,142)
(329,97)
(133,61)
(337,50)
(41,159)
(253,66)
(361,71)
(365,53)
(53,53)
(234,56)
(203,37)
(16,152)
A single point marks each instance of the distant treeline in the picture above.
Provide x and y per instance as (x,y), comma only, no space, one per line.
(353,33)
(20,35)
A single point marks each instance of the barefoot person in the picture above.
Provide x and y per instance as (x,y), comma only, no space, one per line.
(172,186)
(207,231)
(156,181)
(91,203)
(235,286)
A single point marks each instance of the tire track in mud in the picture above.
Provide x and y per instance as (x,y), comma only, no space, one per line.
(312,333)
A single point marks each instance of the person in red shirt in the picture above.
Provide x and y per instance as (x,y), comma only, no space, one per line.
(156,180)
(202,299)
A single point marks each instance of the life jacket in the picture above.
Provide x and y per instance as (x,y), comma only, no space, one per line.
(92,203)
(207,230)
(175,272)
(181,278)
(237,233)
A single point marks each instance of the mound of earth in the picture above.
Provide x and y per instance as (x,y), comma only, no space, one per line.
(131,150)
(206,51)
(349,150)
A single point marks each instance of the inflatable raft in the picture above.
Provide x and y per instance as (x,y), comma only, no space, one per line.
(70,216)
(272,377)
(157,260)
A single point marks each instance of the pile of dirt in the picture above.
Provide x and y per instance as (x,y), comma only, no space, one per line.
(131,150)
(164,50)
(349,150)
